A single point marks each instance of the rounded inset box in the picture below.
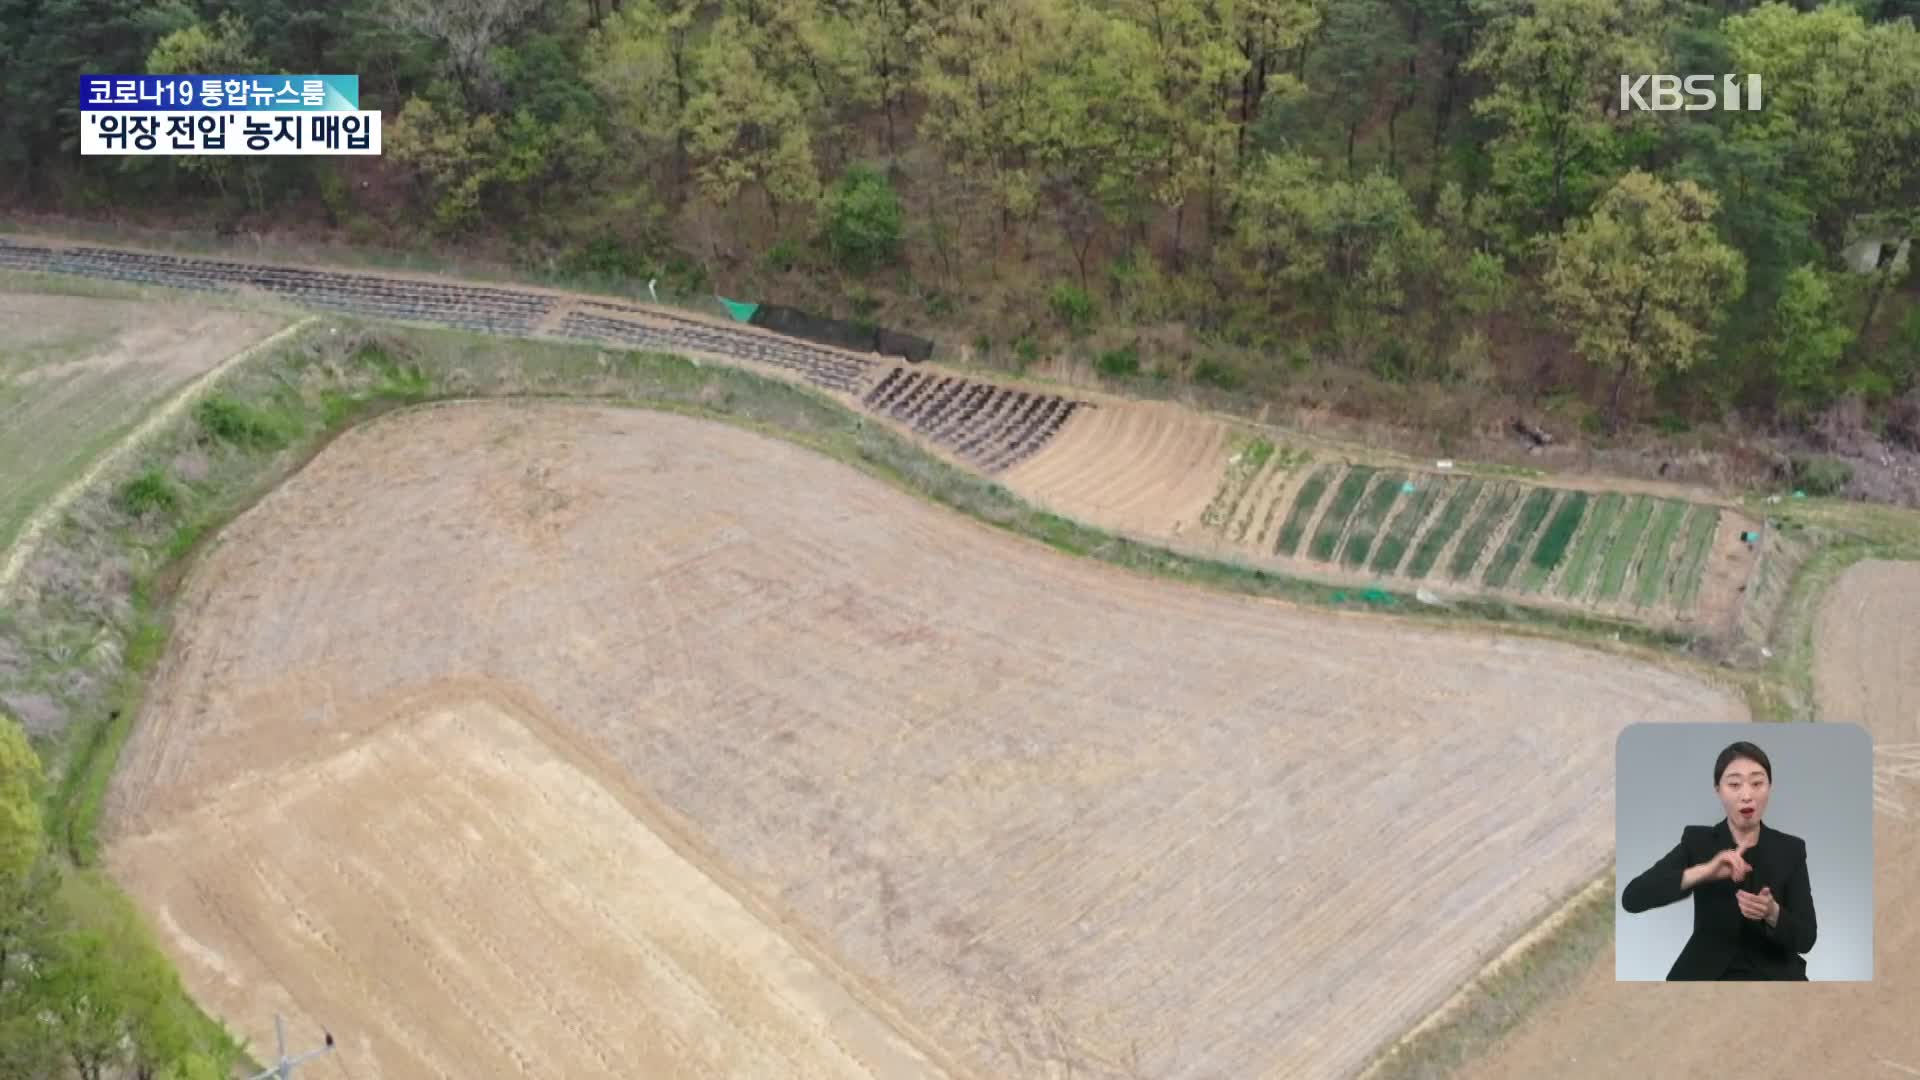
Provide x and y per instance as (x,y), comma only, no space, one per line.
(1743,852)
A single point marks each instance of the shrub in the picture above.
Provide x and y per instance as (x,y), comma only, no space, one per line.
(863,221)
(1212,372)
(1074,307)
(781,257)
(1821,475)
(147,493)
(1119,362)
(235,422)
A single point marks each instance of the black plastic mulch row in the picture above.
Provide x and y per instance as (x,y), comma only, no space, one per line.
(993,426)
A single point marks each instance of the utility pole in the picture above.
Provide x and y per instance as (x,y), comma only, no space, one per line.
(283,1068)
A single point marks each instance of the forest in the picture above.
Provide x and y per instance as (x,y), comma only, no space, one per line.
(1443,196)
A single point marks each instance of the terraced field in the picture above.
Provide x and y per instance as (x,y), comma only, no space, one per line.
(1161,472)
(1635,555)
(988,426)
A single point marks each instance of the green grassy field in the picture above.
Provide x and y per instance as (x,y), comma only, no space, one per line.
(1650,574)
(1533,513)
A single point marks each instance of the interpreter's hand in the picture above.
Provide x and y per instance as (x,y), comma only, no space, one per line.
(1728,866)
(1760,906)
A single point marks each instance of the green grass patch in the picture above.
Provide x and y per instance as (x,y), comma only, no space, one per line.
(1589,544)
(1533,512)
(1499,500)
(1334,522)
(148,493)
(241,424)
(1305,501)
(1406,524)
(1620,553)
(1650,576)
(1553,543)
(1386,491)
(1451,518)
(1702,524)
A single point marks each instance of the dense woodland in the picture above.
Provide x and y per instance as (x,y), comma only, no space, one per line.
(1424,193)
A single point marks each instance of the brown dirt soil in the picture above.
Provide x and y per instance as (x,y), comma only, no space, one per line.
(1141,468)
(1867,672)
(544,895)
(1041,817)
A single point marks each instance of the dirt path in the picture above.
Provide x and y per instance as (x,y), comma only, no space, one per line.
(1058,819)
(1867,671)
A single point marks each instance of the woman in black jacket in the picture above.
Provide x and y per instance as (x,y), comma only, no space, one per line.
(1752,902)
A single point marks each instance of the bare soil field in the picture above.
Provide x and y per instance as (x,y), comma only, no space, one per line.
(545,889)
(1867,672)
(1129,466)
(1030,816)
(77,373)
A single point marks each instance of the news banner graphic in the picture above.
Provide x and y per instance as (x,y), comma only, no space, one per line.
(252,115)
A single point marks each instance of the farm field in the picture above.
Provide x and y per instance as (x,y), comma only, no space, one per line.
(1634,556)
(1147,469)
(1157,472)
(992,810)
(77,373)
(1866,672)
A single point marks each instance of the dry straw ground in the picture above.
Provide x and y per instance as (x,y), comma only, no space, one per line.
(892,784)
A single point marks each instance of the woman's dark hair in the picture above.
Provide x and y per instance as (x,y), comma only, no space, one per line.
(1734,753)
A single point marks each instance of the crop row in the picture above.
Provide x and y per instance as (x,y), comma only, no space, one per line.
(1606,548)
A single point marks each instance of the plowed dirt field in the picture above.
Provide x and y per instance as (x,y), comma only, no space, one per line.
(572,741)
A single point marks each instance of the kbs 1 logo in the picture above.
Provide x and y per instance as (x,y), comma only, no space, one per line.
(1663,93)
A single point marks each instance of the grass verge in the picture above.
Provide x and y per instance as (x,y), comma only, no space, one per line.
(1538,972)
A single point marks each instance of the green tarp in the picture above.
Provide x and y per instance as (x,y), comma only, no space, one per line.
(741,312)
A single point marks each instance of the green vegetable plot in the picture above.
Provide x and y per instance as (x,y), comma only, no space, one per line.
(1304,504)
(1327,538)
